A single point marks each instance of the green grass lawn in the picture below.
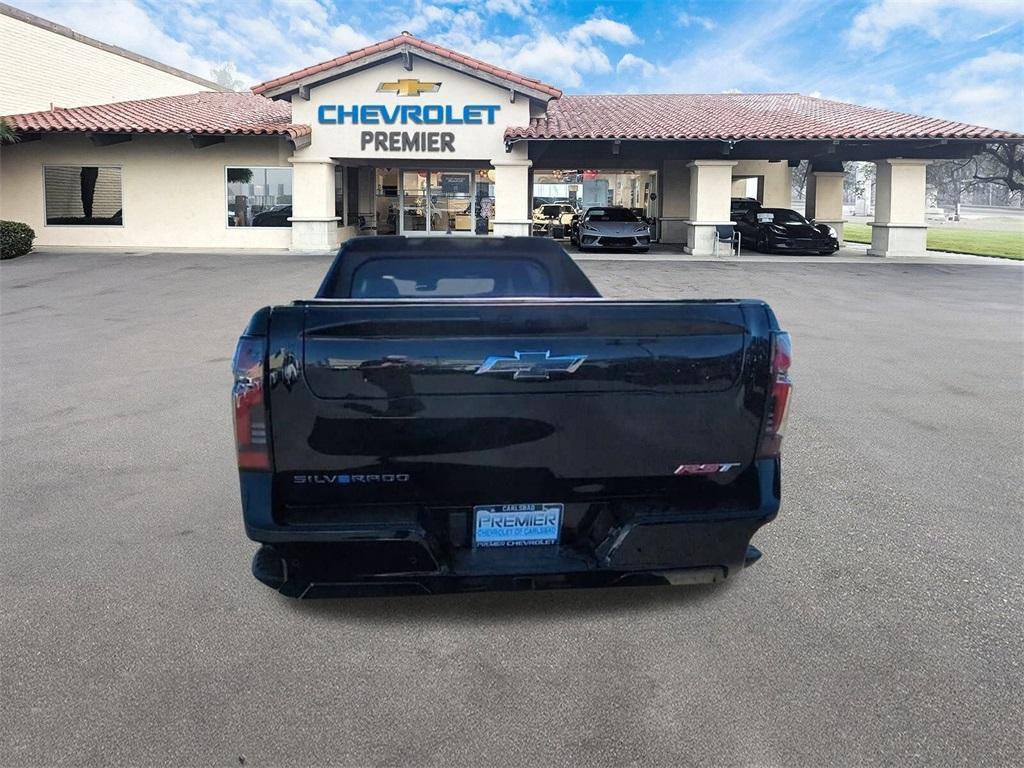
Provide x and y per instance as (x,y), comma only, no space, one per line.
(1008,245)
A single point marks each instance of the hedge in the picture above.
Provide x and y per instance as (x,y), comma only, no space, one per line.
(15,239)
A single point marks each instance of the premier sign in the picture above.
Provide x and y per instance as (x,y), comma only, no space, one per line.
(403,141)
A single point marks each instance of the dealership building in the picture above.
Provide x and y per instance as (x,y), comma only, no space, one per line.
(407,137)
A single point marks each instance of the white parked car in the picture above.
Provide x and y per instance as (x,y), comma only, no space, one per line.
(613,228)
(553,216)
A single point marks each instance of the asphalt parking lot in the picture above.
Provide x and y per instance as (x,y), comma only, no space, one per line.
(883,625)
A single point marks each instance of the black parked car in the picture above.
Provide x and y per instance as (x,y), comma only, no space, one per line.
(738,206)
(273,217)
(780,229)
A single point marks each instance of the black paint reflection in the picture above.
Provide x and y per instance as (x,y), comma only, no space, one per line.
(423,436)
(393,376)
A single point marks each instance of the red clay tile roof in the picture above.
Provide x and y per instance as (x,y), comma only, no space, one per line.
(695,117)
(197,113)
(415,42)
(726,116)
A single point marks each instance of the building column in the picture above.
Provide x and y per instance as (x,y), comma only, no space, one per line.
(710,190)
(825,199)
(366,200)
(777,185)
(675,201)
(314,225)
(899,228)
(345,230)
(512,193)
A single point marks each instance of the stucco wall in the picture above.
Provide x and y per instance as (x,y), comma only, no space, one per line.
(775,181)
(42,68)
(173,195)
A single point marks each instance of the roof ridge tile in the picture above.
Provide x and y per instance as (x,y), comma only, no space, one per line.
(734,116)
(407,39)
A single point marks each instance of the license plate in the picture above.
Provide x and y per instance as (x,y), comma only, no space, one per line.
(516,525)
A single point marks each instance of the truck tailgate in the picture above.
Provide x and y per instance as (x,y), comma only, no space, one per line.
(466,401)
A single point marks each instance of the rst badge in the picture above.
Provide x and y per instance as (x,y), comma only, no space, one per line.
(705,469)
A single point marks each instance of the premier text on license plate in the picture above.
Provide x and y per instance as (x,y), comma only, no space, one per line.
(516,525)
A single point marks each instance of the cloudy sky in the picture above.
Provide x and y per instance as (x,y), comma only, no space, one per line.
(959,59)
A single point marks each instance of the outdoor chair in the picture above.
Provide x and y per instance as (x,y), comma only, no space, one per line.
(726,236)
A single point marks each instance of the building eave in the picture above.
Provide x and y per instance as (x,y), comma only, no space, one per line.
(405,46)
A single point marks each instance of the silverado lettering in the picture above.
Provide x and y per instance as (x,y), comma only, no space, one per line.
(346,479)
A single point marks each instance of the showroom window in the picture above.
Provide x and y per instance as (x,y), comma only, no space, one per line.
(83,195)
(259,197)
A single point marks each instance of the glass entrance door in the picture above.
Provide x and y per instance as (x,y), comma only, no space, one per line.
(450,193)
(439,202)
(415,203)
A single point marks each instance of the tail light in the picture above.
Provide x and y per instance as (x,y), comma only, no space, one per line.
(770,444)
(249,404)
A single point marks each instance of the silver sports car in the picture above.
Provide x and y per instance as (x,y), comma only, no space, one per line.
(612,227)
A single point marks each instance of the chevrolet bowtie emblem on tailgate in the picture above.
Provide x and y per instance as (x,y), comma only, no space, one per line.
(532,365)
(409,87)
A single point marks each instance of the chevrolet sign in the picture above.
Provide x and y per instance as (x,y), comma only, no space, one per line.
(405,114)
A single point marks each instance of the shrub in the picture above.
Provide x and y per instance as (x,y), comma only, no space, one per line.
(15,239)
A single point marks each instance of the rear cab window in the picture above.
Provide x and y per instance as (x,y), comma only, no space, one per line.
(449,278)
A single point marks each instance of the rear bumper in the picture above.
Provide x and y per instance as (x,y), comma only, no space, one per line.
(401,553)
(303,579)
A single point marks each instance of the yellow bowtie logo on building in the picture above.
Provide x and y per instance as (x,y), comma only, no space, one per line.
(409,87)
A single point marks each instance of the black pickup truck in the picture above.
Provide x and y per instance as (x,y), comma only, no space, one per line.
(455,414)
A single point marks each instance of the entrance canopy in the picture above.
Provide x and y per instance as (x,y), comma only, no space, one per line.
(632,129)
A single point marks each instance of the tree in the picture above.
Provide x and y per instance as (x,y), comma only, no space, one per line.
(798,178)
(1001,164)
(950,178)
(856,178)
(7,133)
(239,175)
(224,76)
(997,165)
